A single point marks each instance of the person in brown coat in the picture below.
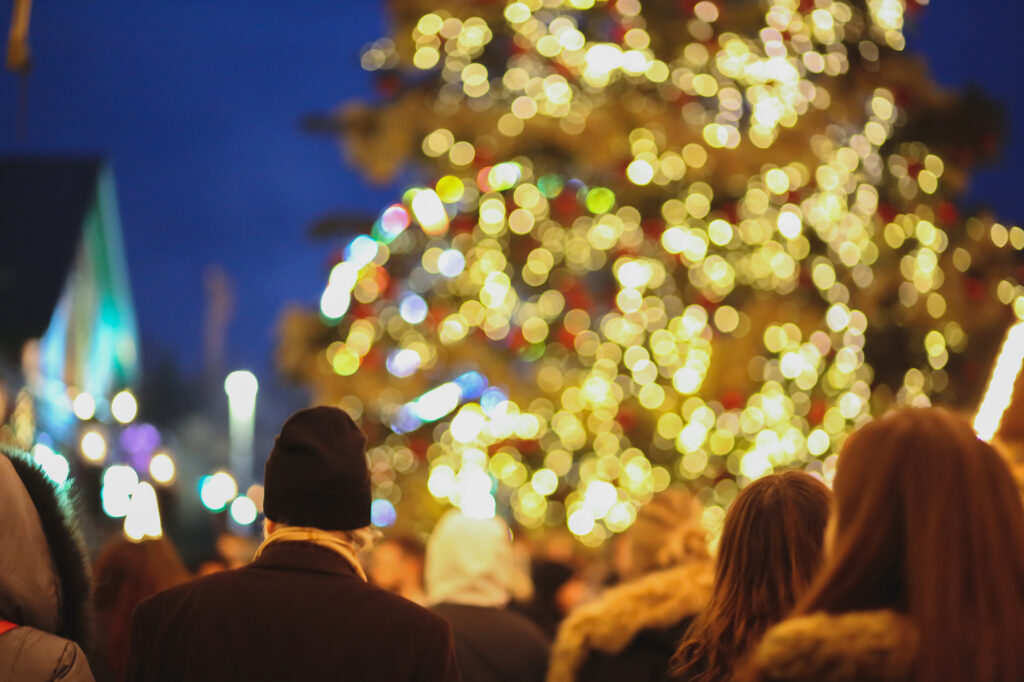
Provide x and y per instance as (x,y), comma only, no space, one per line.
(303,609)
(44,579)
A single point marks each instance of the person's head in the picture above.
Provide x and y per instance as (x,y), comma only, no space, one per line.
(770,549)
(125,573)
(667,532)
(927,522)
(317,475)
(397,564)
(469,561)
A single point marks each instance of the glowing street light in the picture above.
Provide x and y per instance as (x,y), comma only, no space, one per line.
(84,406)
(94,446)
(123,407)
(241,388)
(161,468)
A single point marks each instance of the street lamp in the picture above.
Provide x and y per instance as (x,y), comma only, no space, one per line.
(241,387)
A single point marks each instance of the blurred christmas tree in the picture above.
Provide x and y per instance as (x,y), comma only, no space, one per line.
(691,241)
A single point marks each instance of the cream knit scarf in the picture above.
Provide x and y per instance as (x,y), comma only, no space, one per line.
(316,536)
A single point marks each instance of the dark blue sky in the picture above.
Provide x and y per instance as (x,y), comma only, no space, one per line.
(197,103)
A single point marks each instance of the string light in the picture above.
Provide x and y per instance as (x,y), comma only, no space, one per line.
(639,320)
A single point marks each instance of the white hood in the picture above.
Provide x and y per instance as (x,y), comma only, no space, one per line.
(469,561)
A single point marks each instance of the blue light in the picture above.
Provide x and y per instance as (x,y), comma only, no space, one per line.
(362,250)
(451,262)
(491,399)
(472,385)
(403,363)
(413,309)
(406,420)
(382,513)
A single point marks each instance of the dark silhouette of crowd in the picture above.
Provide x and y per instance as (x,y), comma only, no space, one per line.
(910,569)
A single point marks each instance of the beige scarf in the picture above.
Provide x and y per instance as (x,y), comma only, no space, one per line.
(316,536)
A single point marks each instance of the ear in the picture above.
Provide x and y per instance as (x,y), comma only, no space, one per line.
(269,527)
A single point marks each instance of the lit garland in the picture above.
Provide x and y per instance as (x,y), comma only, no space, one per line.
(675,272)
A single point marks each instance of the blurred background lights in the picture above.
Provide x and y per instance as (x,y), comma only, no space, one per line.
(54,465)
(438,402)
(241,386)
(581,522)
(94,446)
(1000,385)
(161,468)
(119,483)
(382,513)
(216,490)
(403,363)
(123,407)
(394,220)
(413,309)
(243,510)
(142,519)
(255,493)
(335,301)
(429,212)
(589,275)
(599,498)
(84,406)
(361,251)
(477,505)
(451,262)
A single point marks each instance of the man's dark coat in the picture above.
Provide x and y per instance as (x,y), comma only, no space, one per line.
(299,612)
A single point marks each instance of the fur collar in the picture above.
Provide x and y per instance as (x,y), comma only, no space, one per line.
(55,508)
(609,624)
(860,646)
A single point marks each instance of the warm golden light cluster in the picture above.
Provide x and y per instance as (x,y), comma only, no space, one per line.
(565,331)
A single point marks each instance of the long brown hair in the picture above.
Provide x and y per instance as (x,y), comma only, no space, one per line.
(126,573)
(771,547)
(928,523)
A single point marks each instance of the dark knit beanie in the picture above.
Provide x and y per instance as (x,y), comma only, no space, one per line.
(316,474)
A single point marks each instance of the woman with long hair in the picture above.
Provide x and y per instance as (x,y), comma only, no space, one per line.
(125,573)
(770,549)
(924,574)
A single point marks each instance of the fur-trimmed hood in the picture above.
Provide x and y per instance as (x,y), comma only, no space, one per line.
(44,582)
(860,646)
(608,624)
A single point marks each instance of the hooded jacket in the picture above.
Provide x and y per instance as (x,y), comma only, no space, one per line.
(469,573)
(631,631)
(44,580)
(860,646)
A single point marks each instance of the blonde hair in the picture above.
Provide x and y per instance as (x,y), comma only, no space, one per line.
(667,532)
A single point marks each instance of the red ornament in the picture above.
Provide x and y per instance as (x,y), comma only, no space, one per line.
(817,412)
(947,213)
(975,288)
(732,400)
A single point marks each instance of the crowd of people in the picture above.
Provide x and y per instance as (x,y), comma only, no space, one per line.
(910,569)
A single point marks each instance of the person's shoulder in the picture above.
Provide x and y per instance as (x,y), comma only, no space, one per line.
(213,582)
(867,645)
(524,626)
(402,607)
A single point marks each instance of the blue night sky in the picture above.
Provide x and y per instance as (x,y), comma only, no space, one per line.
(197,106)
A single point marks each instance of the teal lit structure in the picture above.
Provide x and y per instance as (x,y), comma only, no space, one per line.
(69,321)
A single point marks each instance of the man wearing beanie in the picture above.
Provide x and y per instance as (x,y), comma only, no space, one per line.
(302,610)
